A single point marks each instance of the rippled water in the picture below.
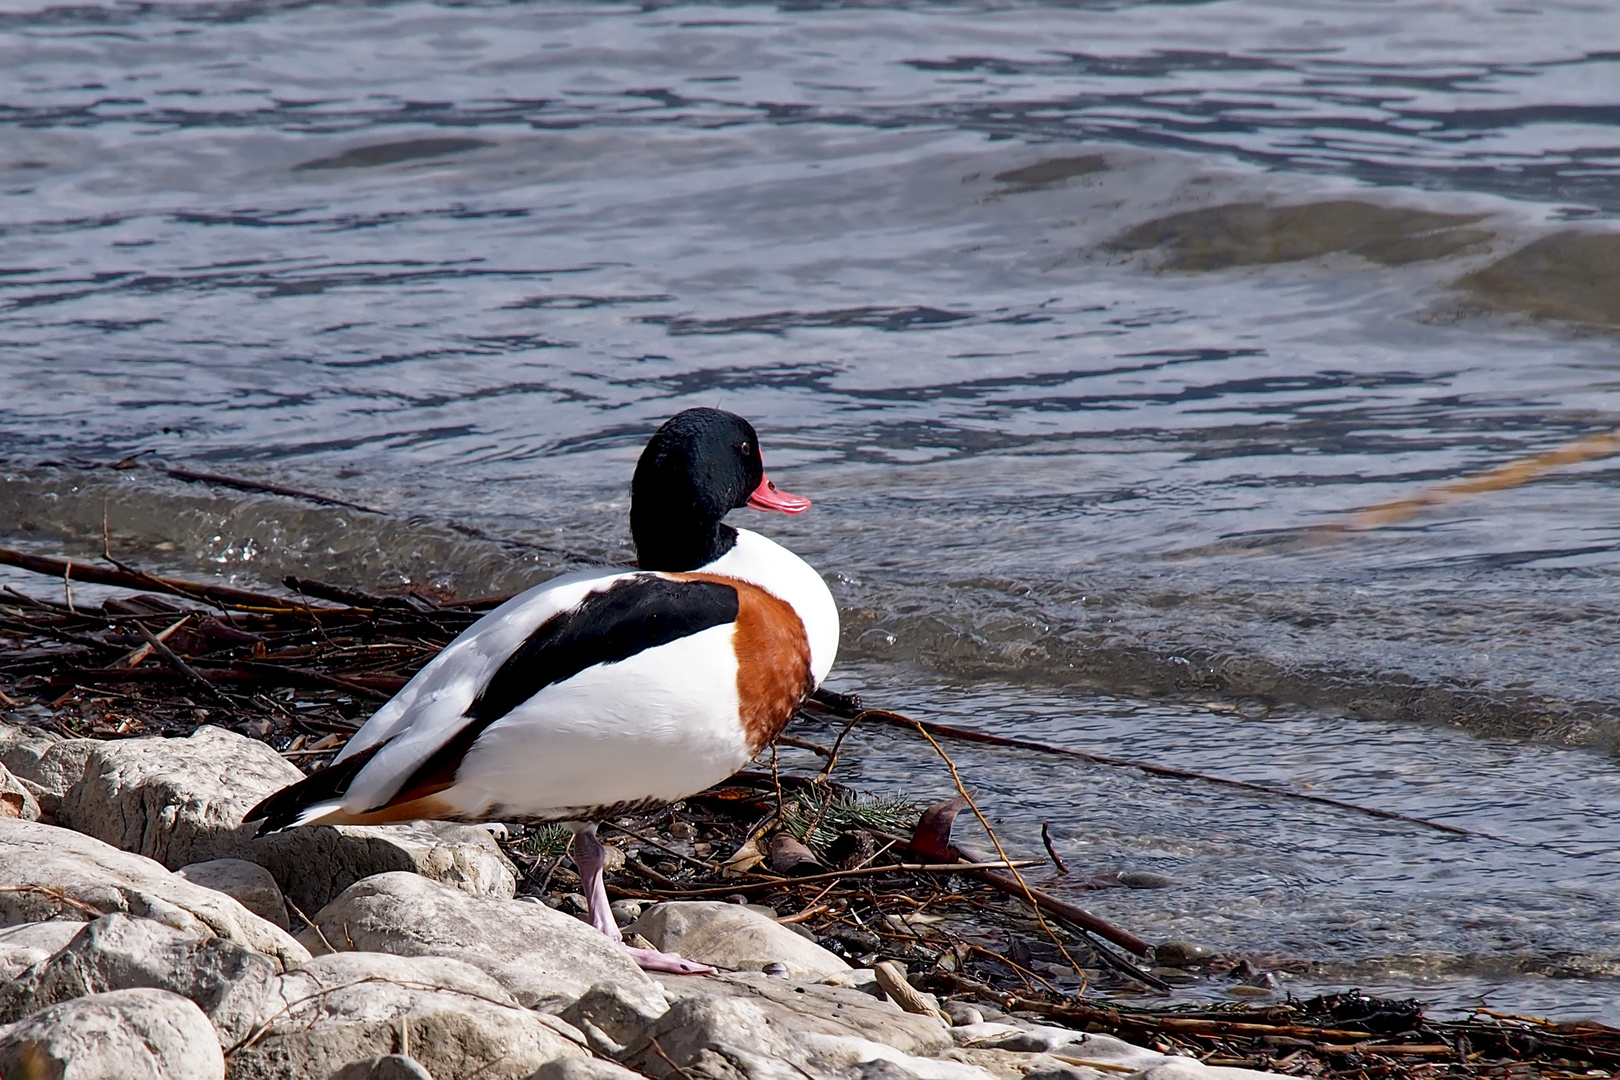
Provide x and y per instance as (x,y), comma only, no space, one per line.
(1079,322)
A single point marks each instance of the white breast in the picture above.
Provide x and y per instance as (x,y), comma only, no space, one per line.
(783,574)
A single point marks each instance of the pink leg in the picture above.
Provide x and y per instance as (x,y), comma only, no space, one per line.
(588,858)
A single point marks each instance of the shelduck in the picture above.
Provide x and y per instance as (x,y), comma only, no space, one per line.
(602,693)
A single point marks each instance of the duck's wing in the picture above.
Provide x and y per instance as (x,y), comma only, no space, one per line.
(441,692)
(412,746)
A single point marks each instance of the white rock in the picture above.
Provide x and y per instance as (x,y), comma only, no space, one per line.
(249,884)
(315,863)
(124,1035)
(544,958)
(862,979)
(1037,1039)
(1009,1065)
(715,1039)
(177,801)
(449,1016)
(181,801)
(733,937)
(731,1038)
(985,1033)
(584,1069)
(814,1007)
(387,1067)
(24,945)
(79,878)
(1186,1068)
(47,764)
(611,1016)
(16,800)
(1086,1050)
(229,982)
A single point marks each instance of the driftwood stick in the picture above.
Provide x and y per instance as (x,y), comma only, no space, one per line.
(359,598)
(1066,911)
(931,840)
(136,656)
(325,590)
(306,677)
(1046,839)
(134,579)
(161,647)
(774,882)
(1119,963)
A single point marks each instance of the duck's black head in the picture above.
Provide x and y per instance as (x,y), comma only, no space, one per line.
(701,465)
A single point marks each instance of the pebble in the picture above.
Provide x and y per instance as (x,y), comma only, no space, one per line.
(853,940)
(961,1013)
(1181,953)
(1145,879)
(626,912)
(1247,991)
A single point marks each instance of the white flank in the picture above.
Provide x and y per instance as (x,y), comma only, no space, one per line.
(658,725)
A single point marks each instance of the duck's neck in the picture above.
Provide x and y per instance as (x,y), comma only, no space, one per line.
(675,544)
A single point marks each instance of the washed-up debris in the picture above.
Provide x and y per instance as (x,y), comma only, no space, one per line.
(877,881)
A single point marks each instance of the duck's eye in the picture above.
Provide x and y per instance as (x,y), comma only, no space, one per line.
(744,448)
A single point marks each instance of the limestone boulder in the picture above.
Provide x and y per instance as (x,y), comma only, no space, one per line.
(1010,1065)
(55,873)
(124,1035)
(542,957)
(610,1016)
(249,884)
(47,764)
(182,801)
(314,864)
(229,982)
(1116,1054)
(833,1011)
(584,1069)
(453,1019)
(713,1037)
(177,801)
(16,800)
(1186,1068)
(733,937)
(24,945)
(1053,1053)
(386,1067)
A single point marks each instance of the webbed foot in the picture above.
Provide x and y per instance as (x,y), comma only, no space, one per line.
(653,960)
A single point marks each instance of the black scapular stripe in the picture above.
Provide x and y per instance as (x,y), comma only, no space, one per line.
(281,809)
(627,618)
